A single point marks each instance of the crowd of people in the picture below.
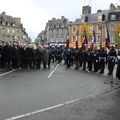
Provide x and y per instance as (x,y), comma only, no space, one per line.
(94,59)
(34,56)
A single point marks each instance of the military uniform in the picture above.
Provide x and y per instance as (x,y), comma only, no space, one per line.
(111,60)
(102,60)
(118,66)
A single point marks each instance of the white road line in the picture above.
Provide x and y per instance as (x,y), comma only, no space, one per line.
(7,72)
(52,107)
(53,71)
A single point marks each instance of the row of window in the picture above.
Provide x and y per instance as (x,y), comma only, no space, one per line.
(58,31)
(114,16)
(10,30)
(9,37)
(99,28)
(57,36)
(7,23)
(99,38)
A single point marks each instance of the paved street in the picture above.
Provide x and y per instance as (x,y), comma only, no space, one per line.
(26,92)
(103,107)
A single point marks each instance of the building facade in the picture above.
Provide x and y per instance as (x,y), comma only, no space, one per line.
(97,22)
(42,38)
(55,31)
(11,29)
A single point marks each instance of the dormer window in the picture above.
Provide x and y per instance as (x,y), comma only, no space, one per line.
(57,26)
(113,17)
(7,23)
(112,27)
(12,24)
(99,17)
(2,23)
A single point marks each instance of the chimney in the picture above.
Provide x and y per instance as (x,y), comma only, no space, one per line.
(3,13)
(99,11)
(86,10)
(112,7)
(62,17)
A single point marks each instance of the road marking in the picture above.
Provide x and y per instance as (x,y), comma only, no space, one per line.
(7,72)
(52,107)
(53,71)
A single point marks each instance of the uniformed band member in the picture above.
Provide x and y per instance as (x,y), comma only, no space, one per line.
(111,60)
(118,66)
(96,60)
(102,60)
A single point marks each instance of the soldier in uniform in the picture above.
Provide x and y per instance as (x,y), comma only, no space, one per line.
(49,57)
(80,54)
(84,58)
(96,60)
(0,54)
(53,54)
(90,59)
(118,66)
(111,60)
(77,59)
(68,58)
(102,59)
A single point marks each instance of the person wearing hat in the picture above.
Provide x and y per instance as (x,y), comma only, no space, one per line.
(118,66)
(111,60)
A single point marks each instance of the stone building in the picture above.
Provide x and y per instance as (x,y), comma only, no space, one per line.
(97,22)
(42,37)
(11,29)
(55,31)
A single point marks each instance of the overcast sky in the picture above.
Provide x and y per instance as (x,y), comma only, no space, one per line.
(35,13)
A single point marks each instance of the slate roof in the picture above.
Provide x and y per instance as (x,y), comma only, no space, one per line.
(10,19)
(58,23)
(91,17)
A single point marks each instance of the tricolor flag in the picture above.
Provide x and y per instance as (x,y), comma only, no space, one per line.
(84,41)
(85,37)
(93,41)
(107,40)
(76,44)
(67,43)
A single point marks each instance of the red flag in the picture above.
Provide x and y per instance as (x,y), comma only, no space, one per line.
(93,41)
(76,43)
(107,43)
(85,37)
(107,40)
(67,43)
(83,44)
(92,46)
